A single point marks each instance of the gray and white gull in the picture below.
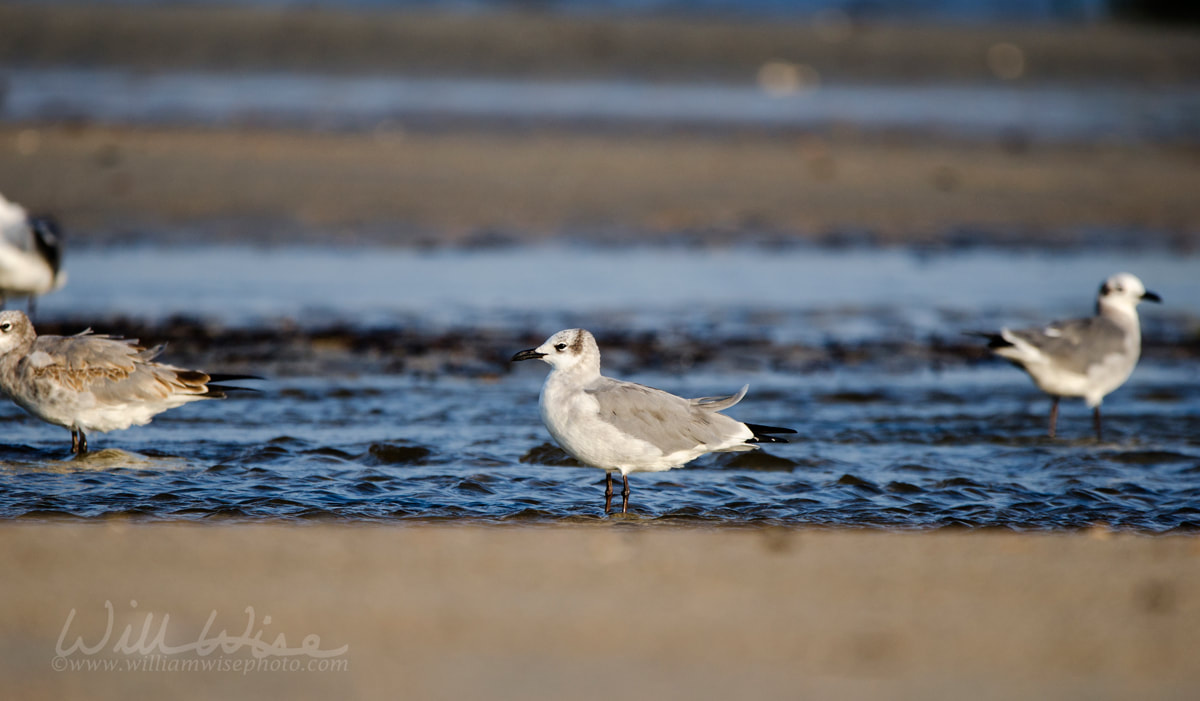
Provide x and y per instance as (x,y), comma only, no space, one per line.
(1087,358)
(90,382)
(625,427)
(30,254)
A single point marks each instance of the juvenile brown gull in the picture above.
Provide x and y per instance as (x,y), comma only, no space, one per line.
(90,382)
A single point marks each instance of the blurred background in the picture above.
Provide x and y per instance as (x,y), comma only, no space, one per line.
(928,125)
(940,122)
(817,197)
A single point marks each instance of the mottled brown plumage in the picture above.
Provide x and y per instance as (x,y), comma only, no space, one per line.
(90,382)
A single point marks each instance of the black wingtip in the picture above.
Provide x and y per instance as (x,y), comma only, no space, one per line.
(219,391)
(231,378)
(762,434)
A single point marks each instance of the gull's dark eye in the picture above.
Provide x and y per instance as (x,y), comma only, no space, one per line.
(557,346)
(6,326)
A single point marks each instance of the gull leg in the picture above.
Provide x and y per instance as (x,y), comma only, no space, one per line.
(1053,415)
(82,442)
(74,441)
(1096,424)
(607,491)
(625,495)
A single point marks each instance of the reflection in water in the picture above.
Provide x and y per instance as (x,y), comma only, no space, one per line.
(21,458)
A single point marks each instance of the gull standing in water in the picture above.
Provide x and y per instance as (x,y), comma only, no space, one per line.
(30,254)
(1086,358)
(91,383)
(625,427)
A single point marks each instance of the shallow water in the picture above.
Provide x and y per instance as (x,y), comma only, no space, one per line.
(964,448)
(1041,112)
(927,443)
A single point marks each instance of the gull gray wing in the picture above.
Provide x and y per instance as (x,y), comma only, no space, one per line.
(1077,344)
(667,422)
(112,369)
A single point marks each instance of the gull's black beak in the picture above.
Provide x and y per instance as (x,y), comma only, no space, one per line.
(1151,297)
(530,354)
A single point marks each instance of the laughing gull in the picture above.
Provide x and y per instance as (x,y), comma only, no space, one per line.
(1085,358)
(89,383)
(624,427)
(30,254)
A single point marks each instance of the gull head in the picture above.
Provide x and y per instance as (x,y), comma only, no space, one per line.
(15,331)
(1123,291)
(566,350)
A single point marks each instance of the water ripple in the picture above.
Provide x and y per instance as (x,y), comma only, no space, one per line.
(857,468)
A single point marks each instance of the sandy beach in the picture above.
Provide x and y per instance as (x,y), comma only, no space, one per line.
(592,611)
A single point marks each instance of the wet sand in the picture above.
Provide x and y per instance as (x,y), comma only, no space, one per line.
(460,186)
(592,611)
